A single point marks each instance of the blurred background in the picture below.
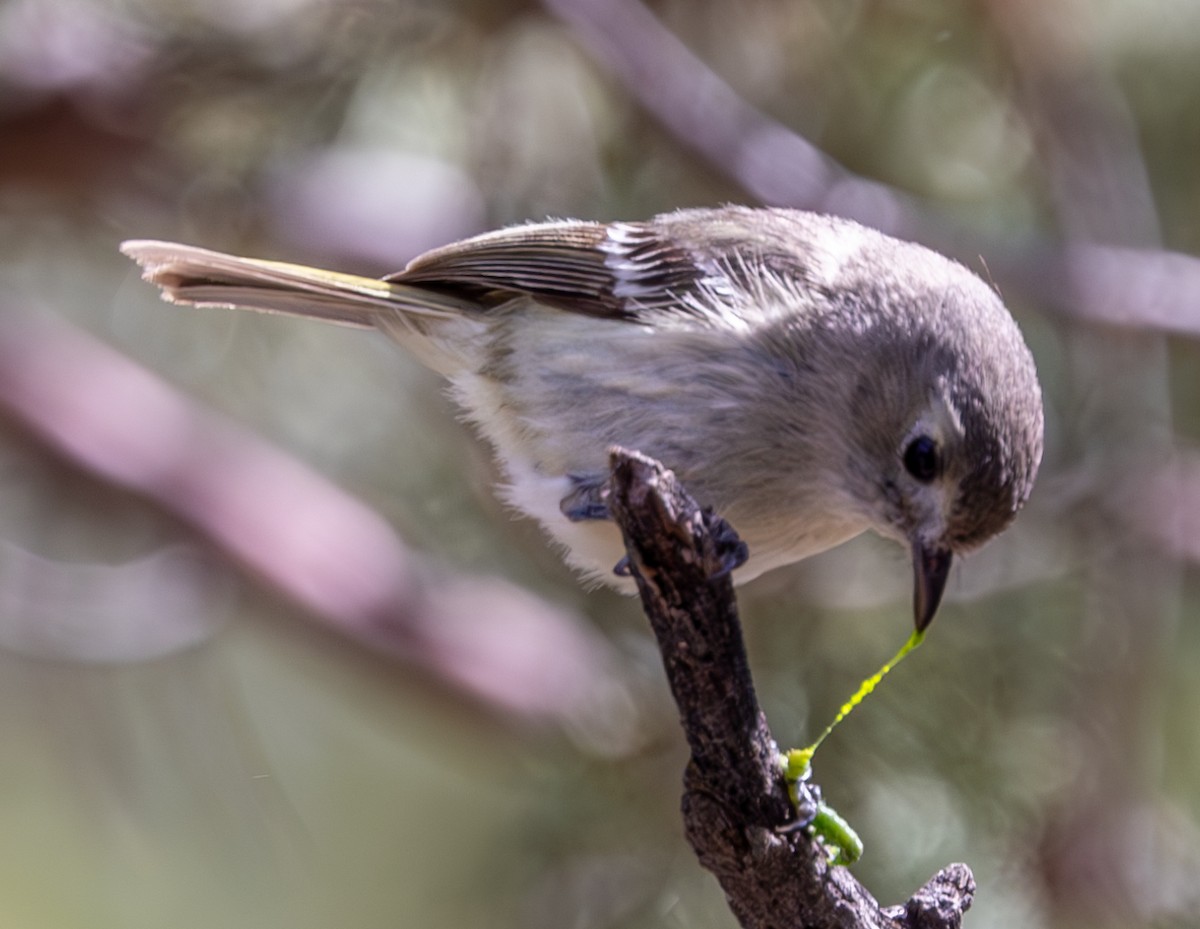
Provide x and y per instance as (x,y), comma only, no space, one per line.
(272,655)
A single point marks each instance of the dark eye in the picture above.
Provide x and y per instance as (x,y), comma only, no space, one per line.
(921,459)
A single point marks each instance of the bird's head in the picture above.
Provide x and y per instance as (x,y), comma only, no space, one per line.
(948,421)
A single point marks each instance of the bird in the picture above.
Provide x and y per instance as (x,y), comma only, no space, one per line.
(806,377)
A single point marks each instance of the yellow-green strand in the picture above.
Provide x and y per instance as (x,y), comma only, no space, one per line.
(859,695)
(827,824)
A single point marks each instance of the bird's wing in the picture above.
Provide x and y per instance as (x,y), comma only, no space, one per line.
(613,270)
(685,264)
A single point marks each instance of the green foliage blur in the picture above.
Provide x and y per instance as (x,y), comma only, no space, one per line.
(266,774)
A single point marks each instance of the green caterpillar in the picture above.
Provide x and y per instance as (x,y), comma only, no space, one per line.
(815,816)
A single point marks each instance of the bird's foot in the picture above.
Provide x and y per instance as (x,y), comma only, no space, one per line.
(586,501)
(732,552)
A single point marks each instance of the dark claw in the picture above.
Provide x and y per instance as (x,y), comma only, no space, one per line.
(732,552)
(584,511)
(732,559)
(586,500)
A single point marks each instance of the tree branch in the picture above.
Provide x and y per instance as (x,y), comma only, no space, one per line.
(734,796)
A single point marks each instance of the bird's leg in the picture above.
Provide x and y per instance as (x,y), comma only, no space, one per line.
(586,499)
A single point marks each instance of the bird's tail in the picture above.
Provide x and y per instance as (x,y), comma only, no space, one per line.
(200,277)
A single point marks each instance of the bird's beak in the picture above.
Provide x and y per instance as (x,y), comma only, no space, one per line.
(931,567)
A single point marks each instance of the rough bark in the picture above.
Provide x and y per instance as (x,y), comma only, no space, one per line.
(735,798)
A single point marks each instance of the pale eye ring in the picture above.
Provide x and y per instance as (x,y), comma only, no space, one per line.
(921,459)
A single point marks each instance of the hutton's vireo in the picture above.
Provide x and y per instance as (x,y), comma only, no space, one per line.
(806,377)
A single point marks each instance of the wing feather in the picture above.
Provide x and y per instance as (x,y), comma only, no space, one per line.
(615,270)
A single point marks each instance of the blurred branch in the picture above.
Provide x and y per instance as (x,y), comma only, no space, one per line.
(1134,288)
(292,527)
(1087,139)
(1144,288)
(768,159)
(734,793)
(1090,153)
(1163,505)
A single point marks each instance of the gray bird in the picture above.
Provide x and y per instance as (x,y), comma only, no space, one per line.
(806,377)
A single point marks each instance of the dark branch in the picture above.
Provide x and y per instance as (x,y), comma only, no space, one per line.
(734,794)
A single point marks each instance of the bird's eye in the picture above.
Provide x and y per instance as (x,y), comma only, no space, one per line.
(921,459)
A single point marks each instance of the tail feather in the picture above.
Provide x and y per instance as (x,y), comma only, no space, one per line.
(200,277)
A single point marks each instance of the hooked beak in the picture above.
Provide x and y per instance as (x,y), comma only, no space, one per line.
(931,567)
